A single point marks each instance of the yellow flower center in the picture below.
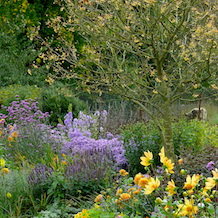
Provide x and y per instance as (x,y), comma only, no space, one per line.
(188,186)
(189,209)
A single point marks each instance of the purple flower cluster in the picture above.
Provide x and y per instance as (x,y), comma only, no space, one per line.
(23,112)
(78,140)
(86,123)
(210,165)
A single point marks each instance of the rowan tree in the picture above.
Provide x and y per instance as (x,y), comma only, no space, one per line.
(151,52)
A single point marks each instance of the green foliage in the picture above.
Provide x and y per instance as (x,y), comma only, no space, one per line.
(57,98)
(15,183)
(194,134)
(8,93)
(55,211)
(140,137)
(17,53)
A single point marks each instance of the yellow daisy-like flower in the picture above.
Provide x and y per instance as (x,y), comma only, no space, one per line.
(152,185)
(171,188)
(137,178)
(191,182)
(4,171)
(123,172)
(211,181)
(162,154)
(215,173)
(2,162)
(146,161)
(119,191)
(143,182)
(82,214)
(168,165)
(188,208)
(10,139)
(125,197)
(99,198)
(14,134)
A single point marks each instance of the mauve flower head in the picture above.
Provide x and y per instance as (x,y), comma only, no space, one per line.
(210,165)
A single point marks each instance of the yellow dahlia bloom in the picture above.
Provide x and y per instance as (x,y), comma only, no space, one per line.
(123,172)
(99,198)
(168,165)
(162,155)
(188,208)
(215,173)
(191,182)
(14,134)
(2,162)
(152,185)
(171,188)
(125,196)
(137,178)
(10,139)
(211,181)
(4,171)
(143,182)
(146,161)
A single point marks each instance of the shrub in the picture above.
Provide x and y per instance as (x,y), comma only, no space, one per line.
(194,134)
(10,93)
(56,98)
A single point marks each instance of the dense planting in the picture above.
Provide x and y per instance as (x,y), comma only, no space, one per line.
(49,167)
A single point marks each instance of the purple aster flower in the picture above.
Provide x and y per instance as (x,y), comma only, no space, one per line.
(210,165)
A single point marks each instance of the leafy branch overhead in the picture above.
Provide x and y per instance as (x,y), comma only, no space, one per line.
(150,52)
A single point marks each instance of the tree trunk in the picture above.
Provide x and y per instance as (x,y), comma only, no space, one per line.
(167,124)
(168,132)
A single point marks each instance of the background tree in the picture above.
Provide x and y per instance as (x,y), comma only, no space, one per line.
(151,52)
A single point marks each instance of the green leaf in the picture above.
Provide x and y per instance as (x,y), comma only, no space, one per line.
(211,209)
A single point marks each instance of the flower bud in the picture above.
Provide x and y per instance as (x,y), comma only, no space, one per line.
(185,194)
(183,172)
(208,200)
(9,195)
(158,201)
